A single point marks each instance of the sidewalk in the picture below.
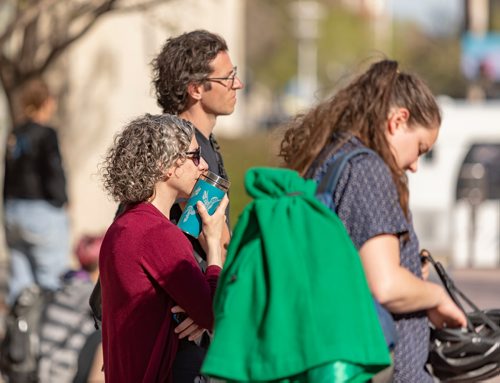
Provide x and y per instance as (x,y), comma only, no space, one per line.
(481,286)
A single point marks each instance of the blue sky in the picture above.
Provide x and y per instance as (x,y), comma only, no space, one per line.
(436,16)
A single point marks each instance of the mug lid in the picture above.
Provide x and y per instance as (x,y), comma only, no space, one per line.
(216,179)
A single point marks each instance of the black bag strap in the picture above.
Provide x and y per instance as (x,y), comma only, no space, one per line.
(95,302)
(332,176)
(455,293)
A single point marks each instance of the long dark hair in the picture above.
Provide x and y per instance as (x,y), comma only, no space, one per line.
(362,109)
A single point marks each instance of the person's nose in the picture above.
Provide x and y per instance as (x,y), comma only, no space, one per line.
(203,166)
(238,84)
(413,167)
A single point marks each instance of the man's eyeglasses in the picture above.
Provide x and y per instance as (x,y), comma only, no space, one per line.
(230,79)
(194,155)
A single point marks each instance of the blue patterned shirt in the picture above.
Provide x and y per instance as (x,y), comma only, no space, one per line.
(367,203)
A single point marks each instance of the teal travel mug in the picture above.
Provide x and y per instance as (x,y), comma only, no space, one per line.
(209,189)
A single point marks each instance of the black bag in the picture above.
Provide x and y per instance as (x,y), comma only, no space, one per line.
(95,302)
(468,354)
(325,194)
(19,351)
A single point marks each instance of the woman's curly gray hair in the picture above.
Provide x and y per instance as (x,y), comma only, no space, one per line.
(141,154)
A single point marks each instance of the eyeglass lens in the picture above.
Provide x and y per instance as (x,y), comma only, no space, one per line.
(195,156)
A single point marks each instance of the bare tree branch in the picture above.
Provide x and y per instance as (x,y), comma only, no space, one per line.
(60,48)
(139,6)
(25,18)
(40,31)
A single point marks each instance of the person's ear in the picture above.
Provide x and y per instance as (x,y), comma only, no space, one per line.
(170,172)
(195,90)
(398,118)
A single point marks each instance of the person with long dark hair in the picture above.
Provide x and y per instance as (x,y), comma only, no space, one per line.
(394,114)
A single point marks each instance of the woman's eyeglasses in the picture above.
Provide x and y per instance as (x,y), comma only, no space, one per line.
(194,155)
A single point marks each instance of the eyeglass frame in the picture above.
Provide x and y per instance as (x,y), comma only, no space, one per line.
(194,155)
(231,77)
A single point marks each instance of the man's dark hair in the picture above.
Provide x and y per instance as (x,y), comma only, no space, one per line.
(183,59)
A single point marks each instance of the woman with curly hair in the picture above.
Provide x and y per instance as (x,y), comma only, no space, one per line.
(396,116)
(147,264)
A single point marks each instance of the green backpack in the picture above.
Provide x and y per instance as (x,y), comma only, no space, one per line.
(293,304)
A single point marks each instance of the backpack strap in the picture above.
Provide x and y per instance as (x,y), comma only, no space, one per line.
(324,193)
(329,182)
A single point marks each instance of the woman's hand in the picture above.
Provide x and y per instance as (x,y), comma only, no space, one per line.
(187,328)
(212,229)
(224,241)
(447,314)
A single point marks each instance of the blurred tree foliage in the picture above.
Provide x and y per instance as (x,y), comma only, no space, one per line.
(271,47)
(240,154)
(435,58)
(346,43)
(495,15)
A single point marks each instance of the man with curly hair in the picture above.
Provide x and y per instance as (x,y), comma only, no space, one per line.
(195,79)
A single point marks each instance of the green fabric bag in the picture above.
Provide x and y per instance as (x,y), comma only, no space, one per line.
(293,304)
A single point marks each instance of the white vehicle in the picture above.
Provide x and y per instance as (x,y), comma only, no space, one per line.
(463,231)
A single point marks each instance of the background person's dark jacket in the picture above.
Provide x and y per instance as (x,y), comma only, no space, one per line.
(33,165)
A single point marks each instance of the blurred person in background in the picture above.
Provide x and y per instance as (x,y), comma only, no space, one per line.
(146,263)
(70,346)
(396,116)
(35,198)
